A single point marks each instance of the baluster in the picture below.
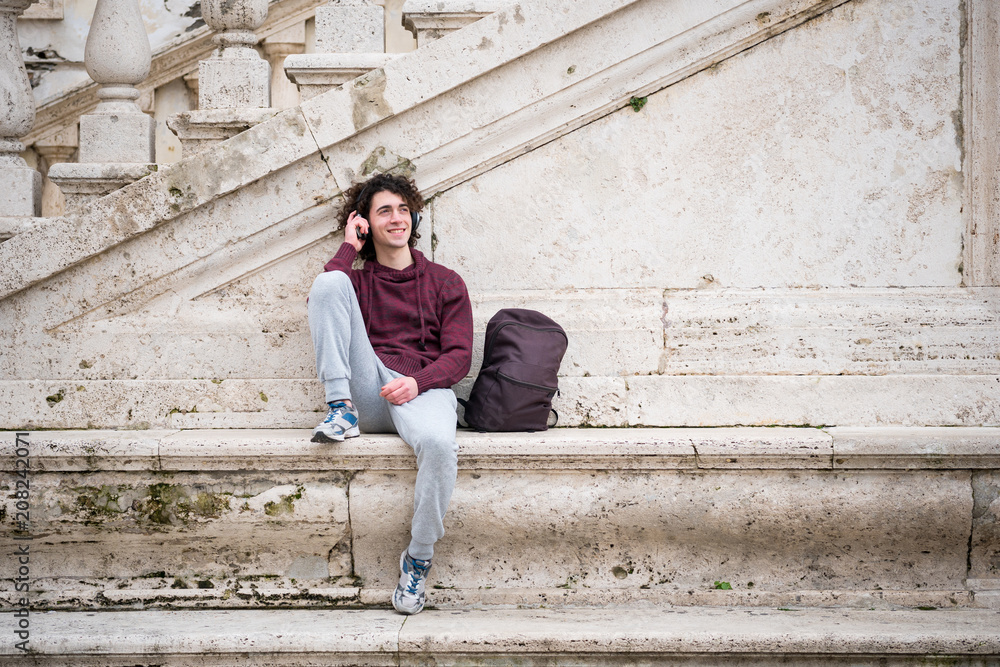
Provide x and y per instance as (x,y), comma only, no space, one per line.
(235,77)
(116,141)
(20,185)
(277,48)
(234,84)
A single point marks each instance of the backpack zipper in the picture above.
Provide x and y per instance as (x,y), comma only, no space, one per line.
(489,343)
(530,385)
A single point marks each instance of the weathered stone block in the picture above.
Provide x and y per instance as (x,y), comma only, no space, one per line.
(90,450)
(118,138)
(129,525)
(234,83)
(830,331)
(732,180)
(21,193)
(858,400)
(433,19)
(83,183)
(317,73)
(608,636)
(984,555)
(730,637)
(925,448)
(220,637)
(773,448)
(769,530)
(350,28)
(201,129)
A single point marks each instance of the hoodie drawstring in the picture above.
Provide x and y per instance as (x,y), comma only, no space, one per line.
(420,312)
(368,314)
(420,302)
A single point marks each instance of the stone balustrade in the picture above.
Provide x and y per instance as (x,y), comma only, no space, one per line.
(116,141)
(350,41)
(21,194)
(234,85)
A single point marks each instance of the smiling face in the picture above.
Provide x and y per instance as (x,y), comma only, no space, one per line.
(389,218)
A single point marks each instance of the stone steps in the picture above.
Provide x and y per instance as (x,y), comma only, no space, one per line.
(636,357)
(614,635)
(856,517)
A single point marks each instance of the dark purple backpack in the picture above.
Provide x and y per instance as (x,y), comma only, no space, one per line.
(518,379)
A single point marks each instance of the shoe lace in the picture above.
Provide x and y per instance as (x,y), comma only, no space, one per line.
(336,410)
(416,570)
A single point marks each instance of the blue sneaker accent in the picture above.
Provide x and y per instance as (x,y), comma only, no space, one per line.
(408,597)
(341,422)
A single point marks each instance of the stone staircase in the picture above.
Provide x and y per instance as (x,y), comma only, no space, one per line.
(573,546)
(656,635)
(821,485)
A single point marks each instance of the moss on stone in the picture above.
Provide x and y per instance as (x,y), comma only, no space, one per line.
(56,397)
(172,504)
(165,504)
(210,504)
(284,506)
(98,503)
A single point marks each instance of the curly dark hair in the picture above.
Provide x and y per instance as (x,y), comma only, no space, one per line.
(359,197)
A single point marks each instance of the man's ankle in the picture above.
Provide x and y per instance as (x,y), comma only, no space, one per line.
(420,551)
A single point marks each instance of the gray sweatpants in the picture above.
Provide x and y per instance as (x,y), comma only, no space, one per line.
(349,368)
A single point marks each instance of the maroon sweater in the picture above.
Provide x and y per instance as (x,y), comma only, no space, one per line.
(419,320)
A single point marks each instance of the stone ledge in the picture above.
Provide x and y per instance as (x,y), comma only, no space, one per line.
(213,597)
(549,636)
(734,448)
(643,401)
(316,73)
(906,448)
(74,594)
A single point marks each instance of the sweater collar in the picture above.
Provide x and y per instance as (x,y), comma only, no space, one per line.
(399,275)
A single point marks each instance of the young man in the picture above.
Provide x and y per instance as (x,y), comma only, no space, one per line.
(390,340)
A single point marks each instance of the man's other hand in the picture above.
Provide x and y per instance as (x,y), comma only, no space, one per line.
(400,390)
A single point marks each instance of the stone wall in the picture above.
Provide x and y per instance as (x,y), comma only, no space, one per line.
(741,217)
(828,156)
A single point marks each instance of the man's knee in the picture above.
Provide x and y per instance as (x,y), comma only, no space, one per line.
(438,449)
(330,284)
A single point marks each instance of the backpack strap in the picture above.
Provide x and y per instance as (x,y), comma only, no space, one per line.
(465,406)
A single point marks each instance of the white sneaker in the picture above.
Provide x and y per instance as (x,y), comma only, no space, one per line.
(409,595)
(341,422)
